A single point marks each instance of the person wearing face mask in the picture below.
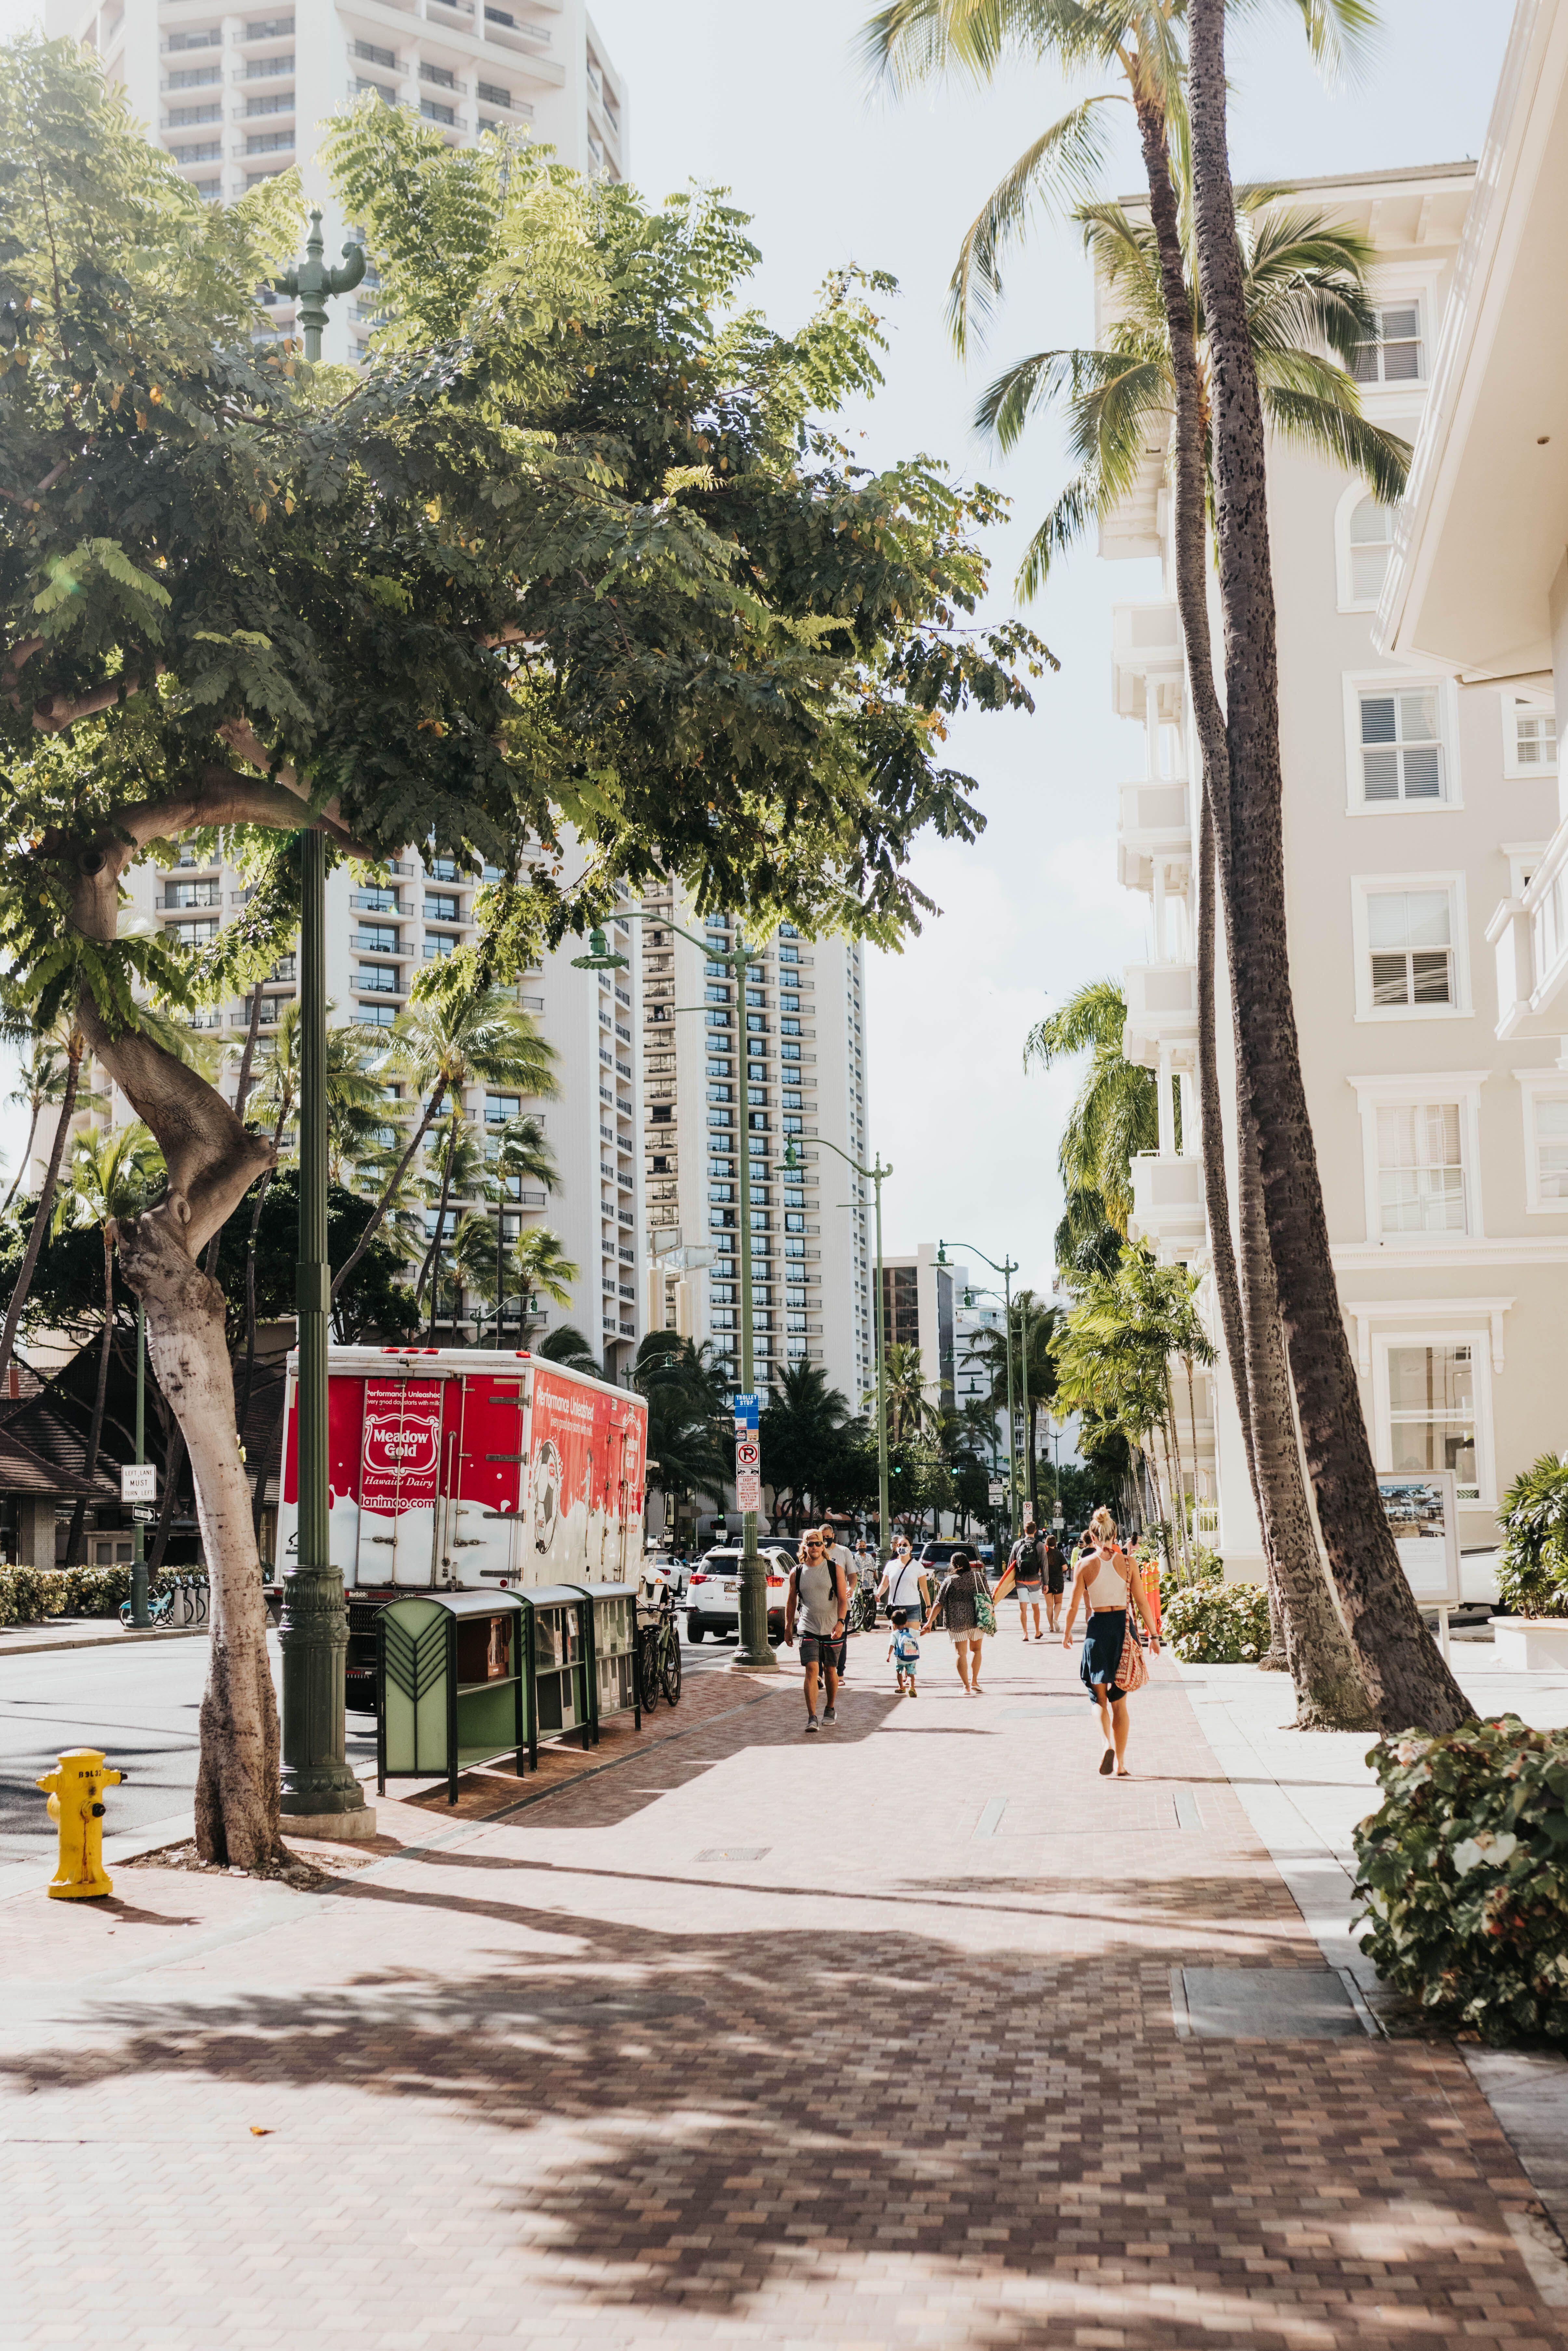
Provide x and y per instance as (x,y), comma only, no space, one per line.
(903,1585)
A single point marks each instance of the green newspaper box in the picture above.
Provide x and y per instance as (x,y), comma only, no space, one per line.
(452,1682)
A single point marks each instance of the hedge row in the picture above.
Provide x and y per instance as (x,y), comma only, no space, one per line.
(29,1594)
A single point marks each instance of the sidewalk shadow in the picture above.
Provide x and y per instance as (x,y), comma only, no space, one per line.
(1046,2149)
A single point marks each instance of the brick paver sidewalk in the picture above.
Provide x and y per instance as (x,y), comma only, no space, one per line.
(866,2039)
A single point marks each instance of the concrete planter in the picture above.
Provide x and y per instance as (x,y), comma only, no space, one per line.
(1531,1645)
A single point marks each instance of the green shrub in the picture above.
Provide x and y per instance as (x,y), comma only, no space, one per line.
(1533,1564)
(1464,1875)
(28,1594)
(1218,1623)
(1208,1567)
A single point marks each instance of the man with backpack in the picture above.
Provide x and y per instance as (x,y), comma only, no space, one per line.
(1028,1574)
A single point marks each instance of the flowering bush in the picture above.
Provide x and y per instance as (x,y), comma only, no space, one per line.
(1464,1875)
(1218,1624)
(1208,1567)
(29,1594)
(1532,1565)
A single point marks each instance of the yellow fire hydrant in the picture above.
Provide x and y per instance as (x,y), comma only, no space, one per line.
(76,1806)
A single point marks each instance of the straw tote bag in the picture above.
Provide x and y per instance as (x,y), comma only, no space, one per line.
(1134,1670)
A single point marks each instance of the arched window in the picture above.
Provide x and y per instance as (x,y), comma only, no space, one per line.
(1371,543)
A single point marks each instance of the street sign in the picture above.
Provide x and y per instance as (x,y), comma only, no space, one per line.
(139,1482)
(997,1490)
(747,1454)
(748,1490)
(747,1410)
(144,1518)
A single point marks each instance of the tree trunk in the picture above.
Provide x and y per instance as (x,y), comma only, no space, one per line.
(46,1207)
(236,1784)
(173,1466)
(1408,1679)
(95,1429)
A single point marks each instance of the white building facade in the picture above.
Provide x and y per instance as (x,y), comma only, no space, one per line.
(236,96)
(1411,809)
(785,1067)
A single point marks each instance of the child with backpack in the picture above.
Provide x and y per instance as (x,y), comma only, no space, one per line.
(905,1650)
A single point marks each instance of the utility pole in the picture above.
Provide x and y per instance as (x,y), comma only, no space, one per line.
(316,1782)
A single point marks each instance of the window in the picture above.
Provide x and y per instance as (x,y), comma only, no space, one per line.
(1545,1093)
(499,1108)
(1528,737)
(191,935)
(441,907)
(1412,960)
(1370,535)
(434,112)
(1401,746)
(380,976)
(1432,1414)
(377,938)
(1395,357)
(1420,1168)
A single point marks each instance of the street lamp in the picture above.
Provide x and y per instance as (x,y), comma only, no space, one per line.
(755,1651)
(874,1175)
(313,1636)
(1006,1268)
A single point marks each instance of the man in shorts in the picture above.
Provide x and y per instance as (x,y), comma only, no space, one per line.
(843,1559)
(1028,1577)
(819,1595)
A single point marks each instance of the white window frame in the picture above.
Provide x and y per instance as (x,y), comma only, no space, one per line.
(1415,287)
(1532,1085)
(1363,886)
(1513,768)
(1437,1323)
(1524,857)
(1346,599)
(1402,681)
(1407,1091)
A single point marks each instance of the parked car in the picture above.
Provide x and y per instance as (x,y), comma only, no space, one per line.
(662,1574)
(933,1557)
(712,1602)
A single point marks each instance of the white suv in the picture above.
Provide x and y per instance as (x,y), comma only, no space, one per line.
(712,1602)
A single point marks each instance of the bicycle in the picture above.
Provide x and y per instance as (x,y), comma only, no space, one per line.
(659,1658)
(159,1605)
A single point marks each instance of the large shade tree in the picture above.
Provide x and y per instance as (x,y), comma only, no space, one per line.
(572,580)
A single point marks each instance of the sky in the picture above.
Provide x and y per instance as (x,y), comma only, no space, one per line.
(770,104)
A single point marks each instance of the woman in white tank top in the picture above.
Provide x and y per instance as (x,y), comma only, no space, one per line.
(1108,1584)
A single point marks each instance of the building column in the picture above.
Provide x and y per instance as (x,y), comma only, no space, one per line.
(1191,1138)
(1166,1101)
(1159,897)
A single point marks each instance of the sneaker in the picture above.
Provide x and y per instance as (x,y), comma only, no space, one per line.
(830,1714)
(812,1723)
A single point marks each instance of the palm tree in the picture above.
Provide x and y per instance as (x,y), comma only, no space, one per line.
(1408,1679)
(445,1042)
(910,1410)
(802,1433)
(74,1049)
(518,1155)
(689,1417)
(1117,393)
(113,1173)
(537,1262)
(1114,1117)
(40,1083)
(567,1346)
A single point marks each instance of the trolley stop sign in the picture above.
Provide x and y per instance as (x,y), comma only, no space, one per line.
(139,1482)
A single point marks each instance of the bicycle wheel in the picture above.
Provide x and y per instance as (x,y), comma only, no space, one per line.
(671,1673)
(648,1671)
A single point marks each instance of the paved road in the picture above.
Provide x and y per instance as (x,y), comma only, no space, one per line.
(140,1704)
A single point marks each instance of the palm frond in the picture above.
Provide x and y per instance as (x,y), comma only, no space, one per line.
(1056,171)
(1342,439)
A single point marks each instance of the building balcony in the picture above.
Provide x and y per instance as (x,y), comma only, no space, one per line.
(1162,1012)
(1146,662)
(1529,937)
(1154,830)
(1167,1205)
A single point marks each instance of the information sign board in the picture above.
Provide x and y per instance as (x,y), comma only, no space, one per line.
(748,1490)
(139,1482)
(1423,1512)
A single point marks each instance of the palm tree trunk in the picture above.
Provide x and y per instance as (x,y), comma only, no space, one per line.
(430,1108)
(38,1107)
(95,1430)
(44,1209)
(1407,1678)
(432,1256)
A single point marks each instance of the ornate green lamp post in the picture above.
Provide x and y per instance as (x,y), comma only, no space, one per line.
(875,1175)
(317,1784)
(1006,1268)
(754,1652)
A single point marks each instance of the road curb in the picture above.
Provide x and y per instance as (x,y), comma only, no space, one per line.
(25,1648)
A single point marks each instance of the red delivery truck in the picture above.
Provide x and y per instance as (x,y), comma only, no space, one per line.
(462,1466)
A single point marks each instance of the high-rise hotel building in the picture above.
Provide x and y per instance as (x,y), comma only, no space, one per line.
(779,1062)
(237,95)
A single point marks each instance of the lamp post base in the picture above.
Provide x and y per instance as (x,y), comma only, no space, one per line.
(749,1660)
(316,1780)
(331,1828)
